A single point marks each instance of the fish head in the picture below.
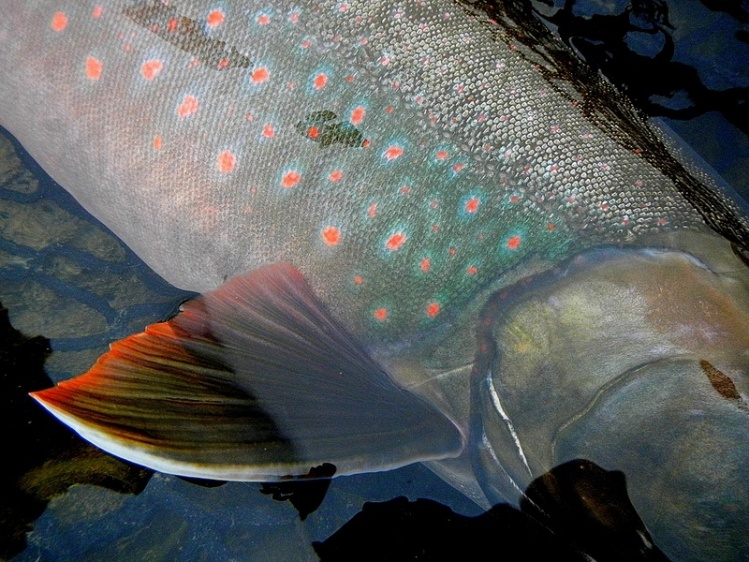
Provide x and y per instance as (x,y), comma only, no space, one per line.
(636,360)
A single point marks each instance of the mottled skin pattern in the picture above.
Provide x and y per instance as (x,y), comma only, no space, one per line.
(180,127)
(411,161)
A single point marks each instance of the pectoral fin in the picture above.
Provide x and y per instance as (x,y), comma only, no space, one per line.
(254,381)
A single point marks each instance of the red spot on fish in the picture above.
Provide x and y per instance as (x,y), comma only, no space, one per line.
(395,241)
(433,309)
(458,167)
(514,198)
(151,68)
(173,24)
(442,155)
(405,189)
(389,109)
(452,251)
(335,175)
(260,75)
(551,226)
(263,19)
(93,68)
(513,242)
(268,131)
(472,205)
(59,21)
(158,142)
(98,10)
(215,18)
(320,81)
(290,179)
(372,210)
(426,263)
(313,132)
(357,115)
(226,161)
(358,280)
(331,235)
(472,270)
(188,106)
(381,314)
(392,152)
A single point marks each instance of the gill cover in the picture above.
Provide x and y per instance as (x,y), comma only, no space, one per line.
(637,360)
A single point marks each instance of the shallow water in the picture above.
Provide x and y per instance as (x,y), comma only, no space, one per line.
(64,276)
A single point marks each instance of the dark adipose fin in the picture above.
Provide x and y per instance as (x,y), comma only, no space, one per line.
(253,381)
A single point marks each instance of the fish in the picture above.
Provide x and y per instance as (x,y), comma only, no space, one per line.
(481,258)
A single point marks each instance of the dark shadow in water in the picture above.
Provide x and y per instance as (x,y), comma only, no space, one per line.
(42,458)
(635,49)
(574,511)
(305,495)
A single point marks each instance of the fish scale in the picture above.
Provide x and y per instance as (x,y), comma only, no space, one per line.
(424,235)
(460,166)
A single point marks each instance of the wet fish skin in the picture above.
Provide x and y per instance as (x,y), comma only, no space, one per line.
(410,161)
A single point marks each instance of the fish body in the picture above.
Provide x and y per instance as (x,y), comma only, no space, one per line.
(421,203)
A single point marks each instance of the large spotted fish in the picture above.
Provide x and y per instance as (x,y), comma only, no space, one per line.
(425,233)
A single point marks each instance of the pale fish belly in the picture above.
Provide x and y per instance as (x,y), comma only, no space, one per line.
(328,231)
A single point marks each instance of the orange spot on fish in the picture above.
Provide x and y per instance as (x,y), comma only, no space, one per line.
(98,10)
(290,179)
(151,68)
(263,19)
(551,226)
(358,280)
(331,235)
(59,21)
(357,116)
(260,75)
(188,106)
(320,81)
(452,251)
(372,210)
(458,167)
(433,309)
(381,314)
(215,18)
(513,242)
(335,175)
(472,205)
(158,142)
(268,131)
(472,270)
(395,241)
(426,263)
(313,132)
(442,155)
(173,24)
(93,68)
(226,161)
(392,152)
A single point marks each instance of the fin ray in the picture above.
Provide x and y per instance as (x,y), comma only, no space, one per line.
(254,381)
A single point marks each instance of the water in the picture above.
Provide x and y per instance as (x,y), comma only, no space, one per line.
(62,275)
